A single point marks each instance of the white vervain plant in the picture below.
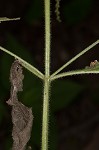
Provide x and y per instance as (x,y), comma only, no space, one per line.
(47,78)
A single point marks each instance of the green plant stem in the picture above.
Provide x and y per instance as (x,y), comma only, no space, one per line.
(75,72)
(25,64)
(8,19)
(74,58)
(45,119)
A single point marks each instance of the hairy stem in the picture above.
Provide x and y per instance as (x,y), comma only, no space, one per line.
(74,58)
(8,19)
(75,72)
(45,119)
(25,64)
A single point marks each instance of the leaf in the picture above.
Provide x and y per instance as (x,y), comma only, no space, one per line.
(63,93)
(22,117)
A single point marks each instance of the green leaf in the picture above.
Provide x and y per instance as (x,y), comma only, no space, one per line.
(63,93)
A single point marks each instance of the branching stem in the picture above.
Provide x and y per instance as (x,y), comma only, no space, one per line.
(25,64)
(75,72)
(74,58)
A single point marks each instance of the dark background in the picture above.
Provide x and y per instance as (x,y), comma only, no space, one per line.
(74,102)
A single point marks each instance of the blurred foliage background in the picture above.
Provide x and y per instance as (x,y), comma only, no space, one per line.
(74,102)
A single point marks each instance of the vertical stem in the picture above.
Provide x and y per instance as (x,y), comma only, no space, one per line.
(45,116)
(45,119)
(47,37)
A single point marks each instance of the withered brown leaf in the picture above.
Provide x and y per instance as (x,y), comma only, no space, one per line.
(22,117)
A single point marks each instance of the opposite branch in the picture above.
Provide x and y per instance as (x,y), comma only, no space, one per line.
(25,64)
(74,58)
